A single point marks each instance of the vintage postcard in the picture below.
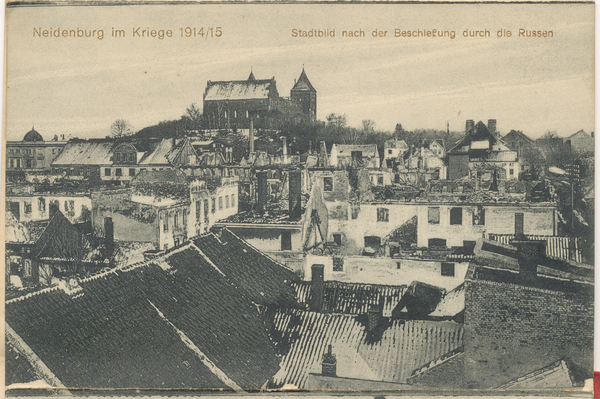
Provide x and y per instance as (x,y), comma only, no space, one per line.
(285,199)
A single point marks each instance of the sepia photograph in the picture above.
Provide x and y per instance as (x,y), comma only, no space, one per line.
(299,199)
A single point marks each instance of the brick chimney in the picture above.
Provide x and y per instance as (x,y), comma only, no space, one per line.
(373,317)
(470,125)
(295,195)
(492,126)
(329,364)
(109,234)
(262,191)
(530,253)
(317,287)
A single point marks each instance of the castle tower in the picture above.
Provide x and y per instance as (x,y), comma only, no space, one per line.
(305,93)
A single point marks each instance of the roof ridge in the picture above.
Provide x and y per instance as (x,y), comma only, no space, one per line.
(259,251)
(32,294)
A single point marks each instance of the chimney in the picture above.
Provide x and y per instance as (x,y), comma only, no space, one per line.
(284,148)
(373,318)
(262,191)
(295,195)
(52,209)
(109,234)
(470,125)
(528,190)
(329,364)
(323,154)
(173,142)
(492,126)
(62,137)
(592,134)
(251,138)
(530,253)
(317,287)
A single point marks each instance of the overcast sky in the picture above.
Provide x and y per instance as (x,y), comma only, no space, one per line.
(79,86)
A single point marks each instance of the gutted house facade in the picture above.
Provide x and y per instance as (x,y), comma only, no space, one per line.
(478,148)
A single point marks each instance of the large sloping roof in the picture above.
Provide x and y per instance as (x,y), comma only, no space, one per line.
(239,90)
(158,154)
(302,337)
(517,135)
(261,279)
(352,298)
(175,322)
(86,152)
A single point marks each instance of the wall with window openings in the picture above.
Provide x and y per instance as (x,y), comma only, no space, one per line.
(360,269)
(31,156)
(126,172)
(358,221)
(34,208)
(173,226)
(207,207)
(452,224)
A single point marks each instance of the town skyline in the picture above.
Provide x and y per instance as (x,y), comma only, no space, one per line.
(79,87)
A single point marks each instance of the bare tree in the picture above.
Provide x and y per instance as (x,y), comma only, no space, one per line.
(368,126)
(339,121)
(120,128)
(193,117)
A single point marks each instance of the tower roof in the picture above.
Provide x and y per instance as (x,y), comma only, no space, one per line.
(303,84)
(32,135)
(251,77)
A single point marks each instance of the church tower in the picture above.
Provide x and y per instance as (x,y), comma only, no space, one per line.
(305,94)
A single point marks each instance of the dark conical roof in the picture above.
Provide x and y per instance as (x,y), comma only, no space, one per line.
(251,77)
(32,135)
(303,84)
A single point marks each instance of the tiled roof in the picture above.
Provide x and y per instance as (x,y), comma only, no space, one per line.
(18,368)
(302,337)
(172,323)
(351,298)
(555,375)
(558,247)
(261,279)
(86,152)
(238,90)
